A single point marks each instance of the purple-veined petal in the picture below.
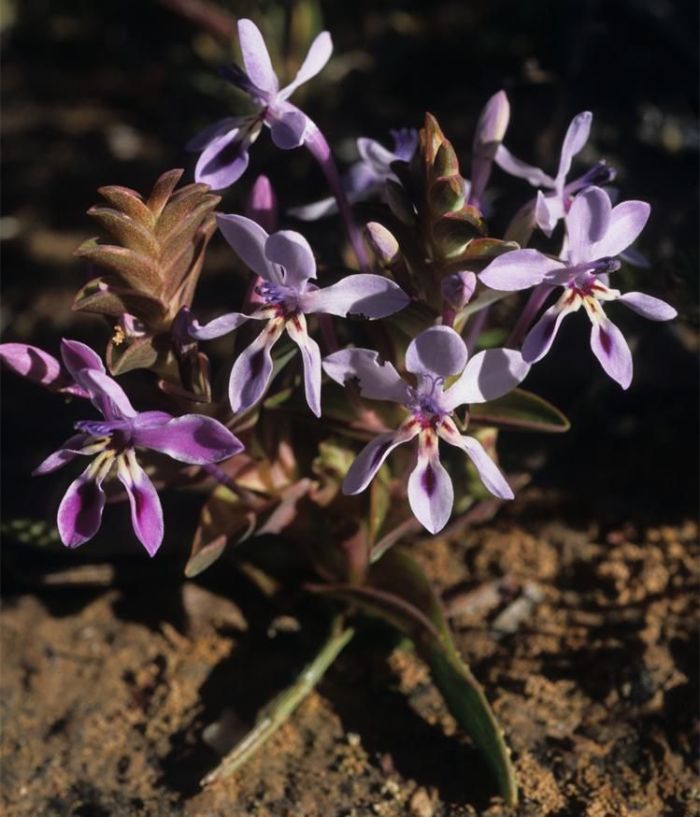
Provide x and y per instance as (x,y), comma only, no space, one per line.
(77,356)
(609,345)
(70,449)
(256,58)
(288,128)
(430,491)
(224,160)
(315,61)
(219,326)
(548,211)
(370,459)
(519,269)
(365,295)
(291,251)
(437,352)
(375,155)
(80,511)
(200,140)
(191,438)
(539,339)
(536,177)
(311,358)
(252,370)
(587,222)
(378,381)
(489,473)
(106,395)
(261,206)
(627,221)
(649,307)
(488,375)
(247,239)
(146,511)
(576,137)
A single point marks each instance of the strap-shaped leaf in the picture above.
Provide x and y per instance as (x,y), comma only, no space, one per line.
(521,410)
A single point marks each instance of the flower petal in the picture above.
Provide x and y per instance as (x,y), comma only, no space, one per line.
(609,345)
(224,160)
(252,370)
(70,449)
(288,128)
(378,381)
(430,491)
(649,307)
(375,155)
(219,326)
(437,352)
(519,269)
(256,58)
(576,137)
(80,511)
(587,223)
(487,376)
(315,61)
(311,357)
(365,295)
(370,459)
(247,239)
(33,363)
(77,356)
(540,338)
(200,140)
(146,510)
(191,438)
(627,221)
(536,177)
(489,473)
(548,211)
(106,395)
(291,251)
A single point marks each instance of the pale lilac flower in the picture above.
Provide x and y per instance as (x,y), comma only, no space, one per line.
(553,205)
(225,144)
(367,177)
(286,265)
(112,442)
(596,233)
(433,356)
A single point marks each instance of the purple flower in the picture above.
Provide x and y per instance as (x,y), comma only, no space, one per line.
(366,177)
(225,144)
(286,265)
(596,233)
(554,205)
(433,356)
(112,442)
(38,366)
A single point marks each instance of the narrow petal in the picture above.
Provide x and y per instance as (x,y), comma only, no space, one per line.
(146,510)
(536,177)
(70,449)
(364,295)
(247,239)
(489,473)
(77,356)
(378,381)
(315,61)
(437,352)
(217,327)
(223,161)
(430,491)
(519,269)
(288,128)
(311,358)
(291,251)
(609,345)
(106,395)
(252,370)
(540,338)
(649,307)
(256,58)
(370,459)
(576,137)
(200,140)
(548,211)
(587,223)
(488,375)
(80,511)
(627,221)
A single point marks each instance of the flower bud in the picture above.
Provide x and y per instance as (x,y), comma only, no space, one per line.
(458,288)
(382,241)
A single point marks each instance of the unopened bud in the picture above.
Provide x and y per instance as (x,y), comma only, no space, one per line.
(261,206)
(382,241)
(458,288)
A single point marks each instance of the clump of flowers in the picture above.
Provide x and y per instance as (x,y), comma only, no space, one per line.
(395,369)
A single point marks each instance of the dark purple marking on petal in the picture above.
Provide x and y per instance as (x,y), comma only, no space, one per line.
(428,480)
(605,341)
(379,453)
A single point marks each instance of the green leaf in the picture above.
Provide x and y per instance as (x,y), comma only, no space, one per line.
(521,410)
(398,592)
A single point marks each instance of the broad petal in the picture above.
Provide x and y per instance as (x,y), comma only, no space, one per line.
(370,459)
(576,137)
(364,295)
(311,358)
(292,252)
(191,438)
(70,449)
(519,269)
(649,307)
(247,239)
(315,61)
(200,140)
(437,352)
(430,491)
(489,473)
(146,510)
(288,128)
(378,381)
(256,58)
(252,370)
(548,211)
(540,338)
(587,223)
(106,395)
(217,327)
(536,177)
(80,511)
(610,347)
(627,221)
(77,356)
(488,375)
(223,161)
